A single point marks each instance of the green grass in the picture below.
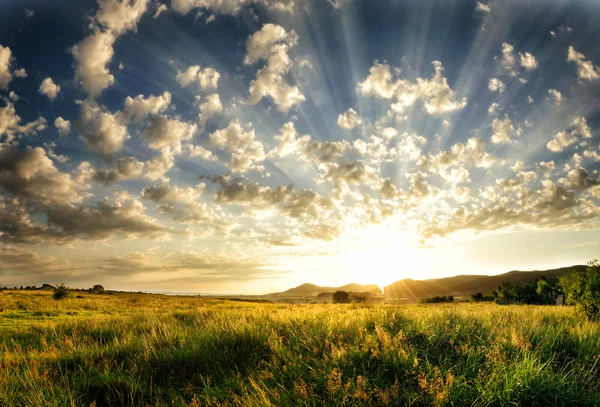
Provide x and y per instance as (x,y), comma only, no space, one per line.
(138,350)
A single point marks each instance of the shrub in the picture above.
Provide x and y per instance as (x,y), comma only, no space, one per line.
(60,292)
(437,300)
(341,297)
(97,289)
(582,289)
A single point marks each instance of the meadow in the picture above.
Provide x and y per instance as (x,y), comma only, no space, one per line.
(137,350)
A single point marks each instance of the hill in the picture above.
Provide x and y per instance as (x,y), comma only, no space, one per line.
(465,285)
(312,290)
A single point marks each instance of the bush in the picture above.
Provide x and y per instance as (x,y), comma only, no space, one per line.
(97,289)
(341,297)
(60,292)
(582,289)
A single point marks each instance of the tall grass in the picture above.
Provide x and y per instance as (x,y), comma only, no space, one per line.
(138,350)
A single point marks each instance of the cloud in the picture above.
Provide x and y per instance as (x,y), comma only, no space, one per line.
(435,93)
(528,61)
(207,78)
(138,108)
(288,141)
(246,151)
(209,106)
(63,126)
(502,131)
(496,85)
(102,131)
(182,203)
(30,173)
(5,62)
(563,139)
(166,135)
(162,8)
(92,55)
(158,166)
(230,7)
(94,52)
(21,73)
(199,151)
(126,168)
(508,58)
(585,69)
(13,96)
(11,127)
(578,179)
(49,88)
(119,16)
(272,44)
(485,8)
(556,95)
(304,205)
(349,119)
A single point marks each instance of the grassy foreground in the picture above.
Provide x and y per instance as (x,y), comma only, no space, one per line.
(138,350)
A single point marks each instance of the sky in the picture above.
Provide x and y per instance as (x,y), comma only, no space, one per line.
(249,146)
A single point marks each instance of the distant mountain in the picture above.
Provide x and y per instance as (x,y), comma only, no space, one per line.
(466,285)
(312,290)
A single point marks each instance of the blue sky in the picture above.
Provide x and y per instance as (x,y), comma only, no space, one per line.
(244,146)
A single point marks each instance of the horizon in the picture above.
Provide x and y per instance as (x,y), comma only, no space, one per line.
(223,294)
(250,146)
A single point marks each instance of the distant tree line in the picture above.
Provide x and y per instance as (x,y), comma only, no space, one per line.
(580,288)
(541,291)
(437,300)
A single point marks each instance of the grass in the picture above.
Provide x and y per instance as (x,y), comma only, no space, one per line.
(138,350)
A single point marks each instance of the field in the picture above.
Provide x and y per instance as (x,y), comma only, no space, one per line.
(138,350)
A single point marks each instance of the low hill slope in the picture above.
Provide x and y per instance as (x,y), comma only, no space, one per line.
(467,284)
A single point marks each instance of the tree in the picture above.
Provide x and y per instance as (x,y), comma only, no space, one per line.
(582,289)
(97,289)
(341,297)
(60,292)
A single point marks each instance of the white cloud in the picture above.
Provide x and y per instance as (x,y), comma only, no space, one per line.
(493,108)
(157,167)
(92,55)
(13,96)
(63,126)
(199,151)
(585,69)
(508,58)
(349,119)
(166,135)
(230,7)
(436,94)
(160,9)
(139,107)
(5,62)
(208,107)
(10,126)
(207,78)
(125,168)
(556,95)
(485,8)
(565,138)
(49,88)
(101,130)
(496,85)
(272,43)
(21,73)
(502,131)
(528,61)
(246,151)
(120,16)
